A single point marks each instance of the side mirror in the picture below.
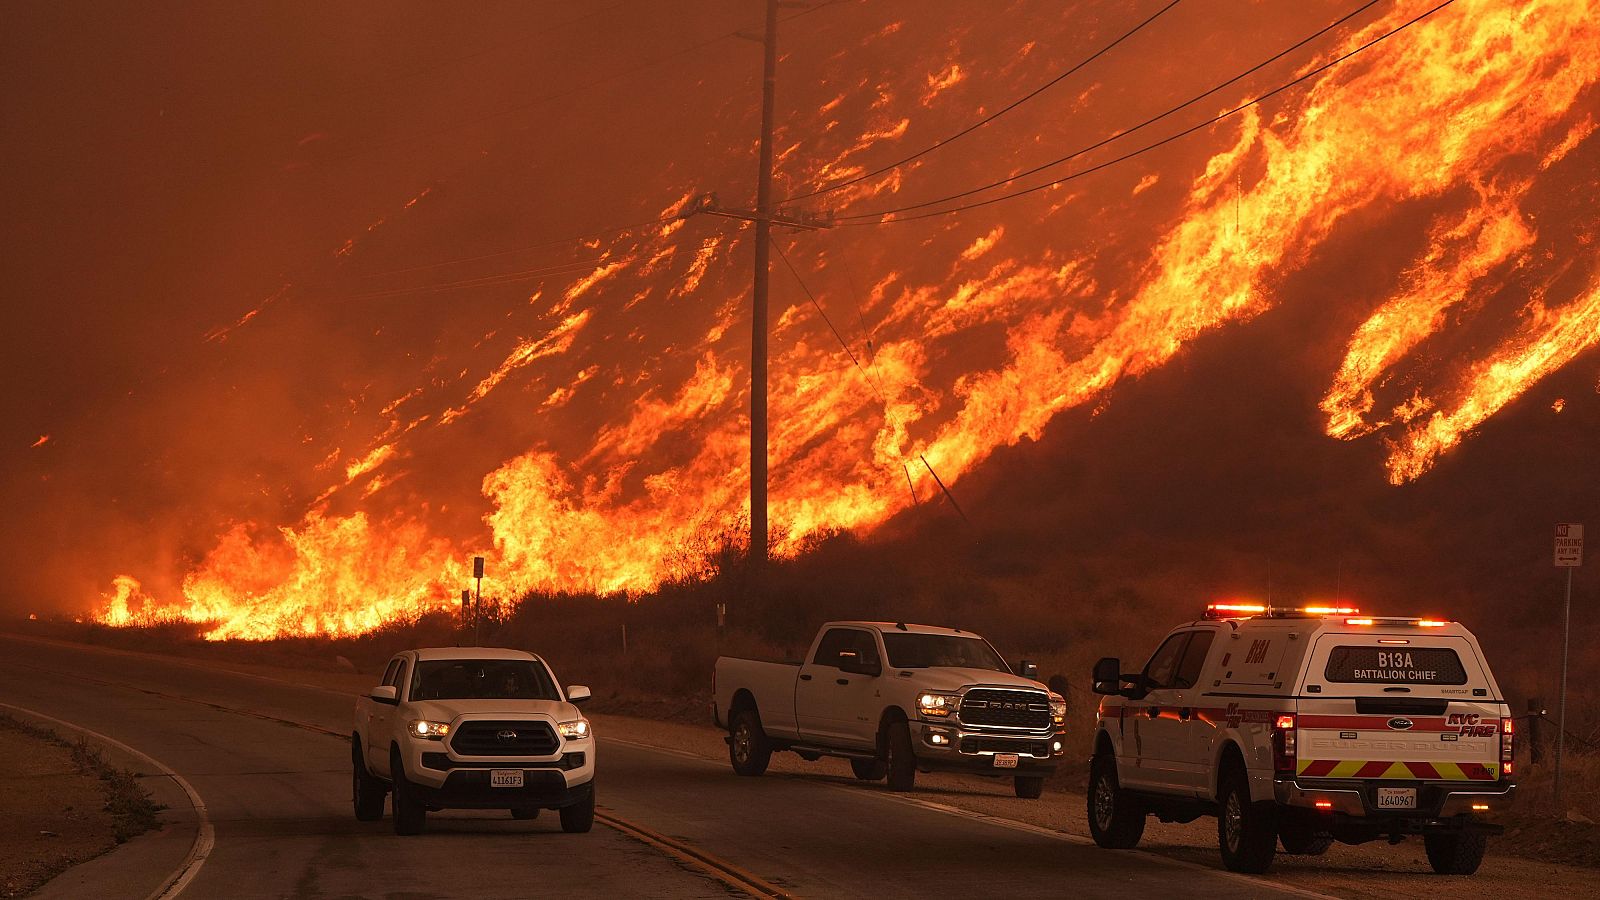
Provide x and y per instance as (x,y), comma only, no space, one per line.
(1108,675)
(1028,669)
(577,693)
(385,693)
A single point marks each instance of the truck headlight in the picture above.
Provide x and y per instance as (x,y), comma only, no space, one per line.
(574,731)
(1058,709)
(429,731)
(933,705)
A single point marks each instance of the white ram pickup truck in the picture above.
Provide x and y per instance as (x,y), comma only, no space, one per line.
(472,728)
(894,699)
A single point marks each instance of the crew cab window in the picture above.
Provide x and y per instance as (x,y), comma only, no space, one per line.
(838,640)
(482,679)
(1400,665)
(1194,659)
(922,651)
(1160,671)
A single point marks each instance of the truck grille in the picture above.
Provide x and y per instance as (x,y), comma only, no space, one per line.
(1005,709)
(484,738)
(971,745)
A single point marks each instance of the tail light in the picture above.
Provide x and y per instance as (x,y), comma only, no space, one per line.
(1283,744)
(1508,745)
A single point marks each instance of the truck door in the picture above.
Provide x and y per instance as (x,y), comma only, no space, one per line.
(1196,731)
(832,705)
(1153,725)
(379,728)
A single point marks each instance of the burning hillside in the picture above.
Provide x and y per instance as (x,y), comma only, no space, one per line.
(576,410)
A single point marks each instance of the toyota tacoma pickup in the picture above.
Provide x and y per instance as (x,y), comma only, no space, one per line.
(894,699)
(472,728)
(1301,727)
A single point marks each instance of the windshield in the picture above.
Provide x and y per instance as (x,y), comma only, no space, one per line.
(924,651)
(482,679)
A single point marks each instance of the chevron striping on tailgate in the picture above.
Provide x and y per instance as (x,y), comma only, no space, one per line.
(1357,768)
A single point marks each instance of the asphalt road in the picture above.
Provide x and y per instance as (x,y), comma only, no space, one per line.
(276,797)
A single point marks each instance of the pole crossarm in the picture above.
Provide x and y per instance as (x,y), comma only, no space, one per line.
(800,219)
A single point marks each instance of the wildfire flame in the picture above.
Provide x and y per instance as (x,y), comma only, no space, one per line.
(1465,112)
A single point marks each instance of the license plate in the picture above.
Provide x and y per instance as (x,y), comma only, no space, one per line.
(511,778)
(1005,760)
(1397,798)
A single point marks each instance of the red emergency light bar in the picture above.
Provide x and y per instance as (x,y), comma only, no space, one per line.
(1246,610)
(1421,623)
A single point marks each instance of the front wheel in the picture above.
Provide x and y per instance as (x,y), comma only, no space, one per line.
(902,759)
(366,790)
(1455,854)
(1028,787)
(1116,820)
(579,817)
(748,748)
(410,813)
(1247,833)
(869,769)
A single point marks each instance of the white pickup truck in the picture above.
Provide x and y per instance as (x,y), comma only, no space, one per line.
(472,728)
(894,699)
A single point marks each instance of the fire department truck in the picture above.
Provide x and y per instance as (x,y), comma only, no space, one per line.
(1301,727)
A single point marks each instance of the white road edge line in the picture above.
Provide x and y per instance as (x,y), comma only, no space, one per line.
(205,838)
(1012,824)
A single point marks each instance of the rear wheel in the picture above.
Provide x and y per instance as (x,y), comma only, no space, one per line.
(1028,787)
(1116,819)
(1302,840)
(902,759)
(579,817)
(366,790)
(1455,854)
(1247,833)
(748,748)
(869,769)
(410,814)
(525,813)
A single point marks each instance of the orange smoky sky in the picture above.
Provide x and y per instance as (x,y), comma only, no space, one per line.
(317,302)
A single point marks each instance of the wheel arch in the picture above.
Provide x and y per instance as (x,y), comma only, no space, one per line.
(891,715)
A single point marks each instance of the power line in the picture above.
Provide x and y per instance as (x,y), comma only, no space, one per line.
(567,268)
(872,384)
(1148,147)
(989,118)
(824,313)
(596,233)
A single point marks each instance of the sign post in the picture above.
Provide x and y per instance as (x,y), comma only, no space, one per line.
(477,601)
(1569,556)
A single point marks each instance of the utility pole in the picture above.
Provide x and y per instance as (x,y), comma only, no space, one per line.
(758,320)
(765,216)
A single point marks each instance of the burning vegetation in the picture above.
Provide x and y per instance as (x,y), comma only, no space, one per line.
(577,409)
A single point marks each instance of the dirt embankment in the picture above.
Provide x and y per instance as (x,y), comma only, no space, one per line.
(64,805)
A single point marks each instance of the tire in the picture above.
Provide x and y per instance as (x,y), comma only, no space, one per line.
(1455,854)
(1302,840)
(1247,833)
(748,748)
(1116,818)
(366,790)
(869,769)
(902,767)
(579,817)
(1028,787)
(525,813)
(410,814)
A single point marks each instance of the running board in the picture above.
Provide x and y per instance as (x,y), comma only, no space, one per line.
(826,751)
